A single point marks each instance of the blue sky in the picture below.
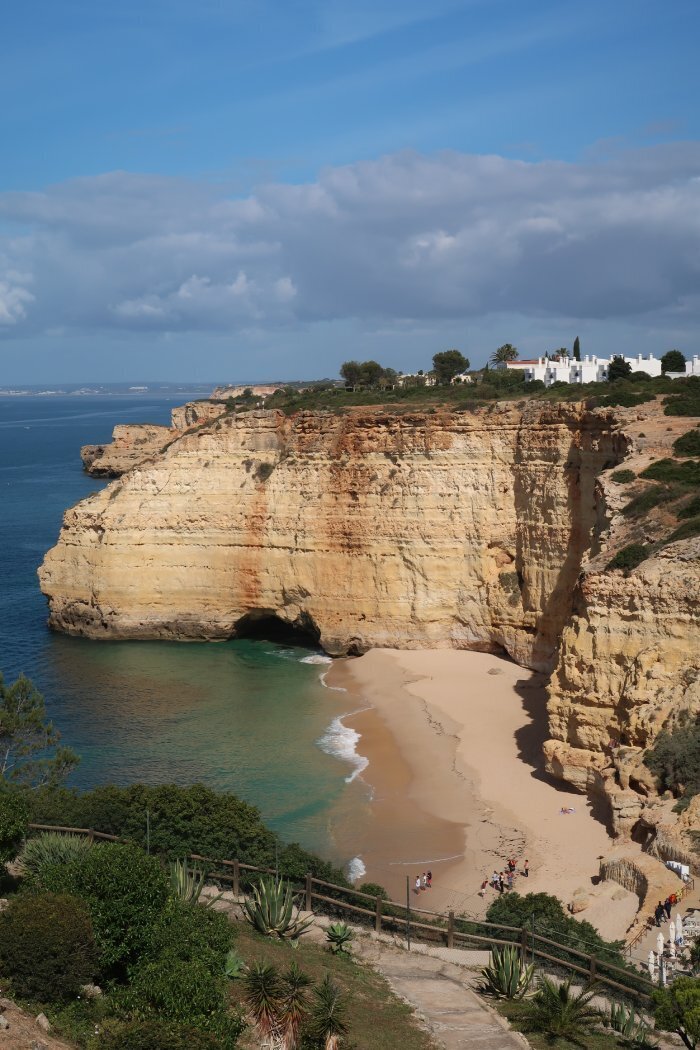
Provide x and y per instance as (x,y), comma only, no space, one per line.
(237,190)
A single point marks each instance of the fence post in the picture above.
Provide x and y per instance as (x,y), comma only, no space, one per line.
(451,930)
(308,892)
(592,968)
(91,834)
(236,878)
(378,915)
(523,945)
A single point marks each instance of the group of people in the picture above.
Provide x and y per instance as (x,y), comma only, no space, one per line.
(423,882)
(663,910)
(503,880)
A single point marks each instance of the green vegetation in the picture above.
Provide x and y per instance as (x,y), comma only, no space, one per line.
(691,509)
(448,364)
(47,947)
(623,477)
(629,557)
(516,1011)
(629,1024)
(678,1010)
(685,531)
(651,497)
(559,1012)
(182,820)
(675,760)
(504,353)
(152,1035)
(29,751)
(14,821)
(187,880)
(339,936)
(124,889)
(673,361)
(506,977)
(687,473)
(687,444)
(50,849)
(619,369)
(272,912)
(686,399)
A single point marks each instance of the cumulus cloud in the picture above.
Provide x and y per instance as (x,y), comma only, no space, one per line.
(404,237)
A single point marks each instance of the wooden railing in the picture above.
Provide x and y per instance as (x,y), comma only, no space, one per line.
(386,915)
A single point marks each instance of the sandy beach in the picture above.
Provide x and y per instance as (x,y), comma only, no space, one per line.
(453,742)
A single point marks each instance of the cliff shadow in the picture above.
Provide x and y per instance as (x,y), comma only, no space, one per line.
(268,627)
(530,738)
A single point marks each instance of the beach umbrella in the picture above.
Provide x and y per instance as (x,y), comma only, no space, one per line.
(679,928)
(651,965)
(672,932)
(660,944)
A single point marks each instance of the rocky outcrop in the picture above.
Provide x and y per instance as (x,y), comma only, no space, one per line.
(258,390)
(446,528)
(136,443)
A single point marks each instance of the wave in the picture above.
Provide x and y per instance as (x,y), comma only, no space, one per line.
(356,869)
(333,688)
(316,658)
(341,741)
(429,860)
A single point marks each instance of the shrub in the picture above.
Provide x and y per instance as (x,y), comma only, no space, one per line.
(677,1009)
(14,819)
(690,509)
(675,760)
(623,477)
(271,910)
(152,1035)
(373,889)
(125,891)
(560,1013)
(686,531)
(629,557)
(339,936)
(52,848)
(184,932)
(650,498)
(687,473)
(506,977)
(46,945)
(688,444)
(182,992)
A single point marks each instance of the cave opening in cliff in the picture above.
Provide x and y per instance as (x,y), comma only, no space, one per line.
(271,628)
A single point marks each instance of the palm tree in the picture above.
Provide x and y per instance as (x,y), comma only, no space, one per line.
(560,1013)
(327,1014)
(295,1004)
(507,352)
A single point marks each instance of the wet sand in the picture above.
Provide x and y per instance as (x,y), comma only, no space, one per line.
(453,740)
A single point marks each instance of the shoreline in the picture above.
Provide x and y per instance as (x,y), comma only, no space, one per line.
(452,740)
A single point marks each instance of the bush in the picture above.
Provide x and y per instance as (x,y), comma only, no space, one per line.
(182,992)
(675,760)
(46,945)
(688,444)
(14,820)
(690,509)
(685,531)
(623,477)
(189,932)
(687,401)
(125,891)
(152,1035)
(650,498)
(629,557)
(687,473)
(52,848)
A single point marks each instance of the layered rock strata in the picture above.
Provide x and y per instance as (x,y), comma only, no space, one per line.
(463,529)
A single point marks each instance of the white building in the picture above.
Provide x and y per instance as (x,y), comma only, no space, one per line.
(594,369)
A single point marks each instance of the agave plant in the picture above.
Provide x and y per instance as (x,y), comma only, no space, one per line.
(327,1022)
(560,1012)
(51,849)
(234,966)
(272,911)
(187,882)
(339,937)
(505,976)
(632,1027)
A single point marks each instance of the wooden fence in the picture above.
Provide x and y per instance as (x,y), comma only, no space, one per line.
(404,920)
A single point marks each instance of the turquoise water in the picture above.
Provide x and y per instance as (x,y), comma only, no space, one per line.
(243,715)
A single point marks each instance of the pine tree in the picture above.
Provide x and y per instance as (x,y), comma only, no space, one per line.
(577,349)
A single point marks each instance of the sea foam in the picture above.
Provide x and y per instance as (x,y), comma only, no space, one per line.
(341,741)
(316,658)
(356,869)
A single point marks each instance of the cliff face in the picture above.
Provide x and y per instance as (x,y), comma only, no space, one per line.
(448,528)
(135,443)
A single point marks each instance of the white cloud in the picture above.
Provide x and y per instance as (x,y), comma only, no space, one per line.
(420,238)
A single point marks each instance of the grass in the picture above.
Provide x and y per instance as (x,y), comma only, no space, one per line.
(378,1020)
(515,1013)
(623,477)
(686,473)
(650,498)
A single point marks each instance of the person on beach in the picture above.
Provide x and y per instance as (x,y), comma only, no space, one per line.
(430,880)
(417,885)
(511,864)
(509,879)
(424,881)
(526,869)
(667,907)
(483,888)
(494,880)
(501,882)
(659,913)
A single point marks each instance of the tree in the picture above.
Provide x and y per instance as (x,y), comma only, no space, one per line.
(26,733)
(371,372)
(351,371)
(678,1010)
(577,349)
(673,361)
(507,352)
(14,821)
(448,364)
(619,369)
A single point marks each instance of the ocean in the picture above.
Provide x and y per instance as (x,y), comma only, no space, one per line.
(248,716)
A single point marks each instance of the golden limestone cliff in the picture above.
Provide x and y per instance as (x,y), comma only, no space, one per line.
(445,528)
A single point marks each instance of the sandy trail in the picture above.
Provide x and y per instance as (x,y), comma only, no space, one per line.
(453,740)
